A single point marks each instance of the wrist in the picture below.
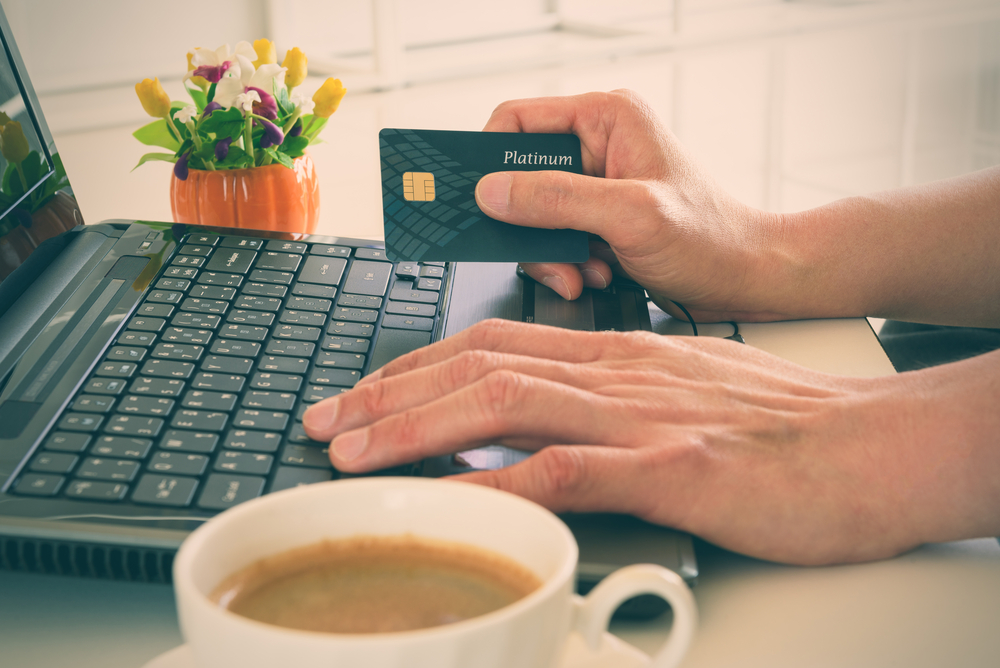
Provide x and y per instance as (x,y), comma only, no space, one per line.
(821,268)
(949,474)
(782,275)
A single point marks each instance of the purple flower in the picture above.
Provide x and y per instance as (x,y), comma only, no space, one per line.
(209,108)
(212,74)
(272,135)
(222,148)
(181,167)
(267,107)
(296,129)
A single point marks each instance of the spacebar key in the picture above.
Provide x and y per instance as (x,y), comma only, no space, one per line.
(393,343)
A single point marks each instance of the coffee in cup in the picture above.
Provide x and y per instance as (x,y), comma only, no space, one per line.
(375,584)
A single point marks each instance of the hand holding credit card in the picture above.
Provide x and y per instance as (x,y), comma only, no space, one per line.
(430,213)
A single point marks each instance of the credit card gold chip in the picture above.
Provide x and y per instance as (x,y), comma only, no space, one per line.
(418,186)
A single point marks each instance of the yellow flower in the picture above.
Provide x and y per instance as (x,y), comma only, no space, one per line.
(4,119)
(328,97)
(200,82)
(14,144)
(266,54)
(297,65)
(154,99)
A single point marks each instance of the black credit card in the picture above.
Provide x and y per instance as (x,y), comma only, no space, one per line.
(429,181)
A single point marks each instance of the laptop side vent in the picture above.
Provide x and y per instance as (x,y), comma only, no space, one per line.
(110,562)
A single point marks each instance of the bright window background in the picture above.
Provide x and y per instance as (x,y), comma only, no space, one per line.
(788,104)
(67,47)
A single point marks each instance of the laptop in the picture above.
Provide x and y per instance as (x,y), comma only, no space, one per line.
(155,374)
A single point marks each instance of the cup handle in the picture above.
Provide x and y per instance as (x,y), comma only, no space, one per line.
(593,613)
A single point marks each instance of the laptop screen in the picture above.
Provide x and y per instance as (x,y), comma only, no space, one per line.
(35,202)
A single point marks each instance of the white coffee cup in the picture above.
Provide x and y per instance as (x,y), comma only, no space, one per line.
(530,633)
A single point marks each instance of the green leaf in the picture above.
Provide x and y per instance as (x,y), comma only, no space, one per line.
(313,125)
(223,123)
(285,106)
(220,116)
(164,157)
(206,152)
(294,146)
(279,157)
(211,92)
(237,159)
(199,97)
(196,162)
(157,134)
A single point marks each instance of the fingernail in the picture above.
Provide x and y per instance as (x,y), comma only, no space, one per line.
(594,279)
(558,285)
(493,192)
(349,446)
(321,416)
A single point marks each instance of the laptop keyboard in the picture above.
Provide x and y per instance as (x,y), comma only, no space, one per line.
(199,401)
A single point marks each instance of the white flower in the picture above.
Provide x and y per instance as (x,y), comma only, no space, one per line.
(186,114)
(303,102)
(210,58)
(241,75)
(245,100)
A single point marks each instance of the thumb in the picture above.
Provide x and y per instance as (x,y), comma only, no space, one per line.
(560,200)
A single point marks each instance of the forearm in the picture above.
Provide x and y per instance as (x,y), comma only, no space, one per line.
(924,254)
(950,477)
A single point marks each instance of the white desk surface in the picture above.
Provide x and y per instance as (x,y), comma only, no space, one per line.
(936,606)
(783,122)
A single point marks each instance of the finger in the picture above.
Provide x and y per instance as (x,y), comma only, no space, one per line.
(582,115)
(614,209)
(582,479)
(600,249)
(554,115)
(568,280)
(503,407)
(371,402)
(518,338)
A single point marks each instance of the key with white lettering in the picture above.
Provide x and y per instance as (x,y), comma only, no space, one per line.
(161,490)
(199,420)
(234,261)
(252,463)
(178,463)
(202,442)
(322,270)
(367,278)
(96,491)
(224,491)
(134,425)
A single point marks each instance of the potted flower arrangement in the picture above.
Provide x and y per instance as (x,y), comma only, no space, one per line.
(239,147)
(37,198)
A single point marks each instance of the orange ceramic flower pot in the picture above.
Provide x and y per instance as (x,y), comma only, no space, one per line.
(272,197)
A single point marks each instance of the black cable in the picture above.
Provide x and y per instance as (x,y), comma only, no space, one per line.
(687,315)
(736,336)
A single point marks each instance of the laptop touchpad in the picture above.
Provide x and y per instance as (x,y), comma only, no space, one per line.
(551,309)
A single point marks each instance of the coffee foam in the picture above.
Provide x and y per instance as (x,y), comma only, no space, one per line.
(375,584)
